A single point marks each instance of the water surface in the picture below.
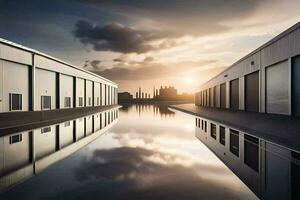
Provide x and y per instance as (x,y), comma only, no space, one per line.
(151,153)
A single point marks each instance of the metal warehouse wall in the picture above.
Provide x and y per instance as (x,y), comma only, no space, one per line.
(277,53)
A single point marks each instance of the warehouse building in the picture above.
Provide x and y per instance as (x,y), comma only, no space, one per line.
(24,154)
(33,81)
(268,169)
(267,80)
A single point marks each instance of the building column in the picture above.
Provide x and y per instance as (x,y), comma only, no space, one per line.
(262,90)
(242,93)
(32,85)
(57,93)
(227,94)
(290,86)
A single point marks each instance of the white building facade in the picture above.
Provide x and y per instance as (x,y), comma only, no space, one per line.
(33,81)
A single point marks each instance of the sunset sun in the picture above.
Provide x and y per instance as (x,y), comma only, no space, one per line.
(188,80)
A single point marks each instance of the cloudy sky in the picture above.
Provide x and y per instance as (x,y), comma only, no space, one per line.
(147,42)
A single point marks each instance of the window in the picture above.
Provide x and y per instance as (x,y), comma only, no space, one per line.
(46,102)
(98,101)
(15,101)
(196,122)
(205,126)
(15,139)
(202,124)
(80,101)
(46,129)
(90,101)
(199,123)
(251,151)
(213,131)
(222,135)
(234,142)
(66,124)
(67,102)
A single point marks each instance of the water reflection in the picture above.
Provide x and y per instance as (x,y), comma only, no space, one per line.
(269,170)
(145,156)
(156,109)
(25,154)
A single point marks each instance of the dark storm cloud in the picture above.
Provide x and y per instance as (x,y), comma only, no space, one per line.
(197,17)
(119,38)
(148,69)
(95,64)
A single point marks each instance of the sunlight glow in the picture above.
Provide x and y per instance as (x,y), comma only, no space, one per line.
(188,80)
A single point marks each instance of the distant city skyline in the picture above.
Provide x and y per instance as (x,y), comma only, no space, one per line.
(147,43)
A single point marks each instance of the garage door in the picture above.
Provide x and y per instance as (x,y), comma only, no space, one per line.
(296,86)
(223,95)
(252,92)
(277,88)
(234,94)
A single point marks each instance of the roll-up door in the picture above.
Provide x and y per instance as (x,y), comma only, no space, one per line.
(234,94)
(252,92)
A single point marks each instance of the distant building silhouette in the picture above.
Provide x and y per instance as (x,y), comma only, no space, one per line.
(167,93)
(125,97)
(163,94)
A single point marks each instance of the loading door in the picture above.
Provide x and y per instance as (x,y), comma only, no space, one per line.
(234,94)
(223,95)
(296,86)
(252,92)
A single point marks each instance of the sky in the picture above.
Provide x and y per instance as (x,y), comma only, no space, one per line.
(139,43)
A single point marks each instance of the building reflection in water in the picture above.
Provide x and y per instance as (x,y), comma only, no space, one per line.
(25,154)
(156,109)
(269,170)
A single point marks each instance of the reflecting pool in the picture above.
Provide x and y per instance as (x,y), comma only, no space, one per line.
(151,152)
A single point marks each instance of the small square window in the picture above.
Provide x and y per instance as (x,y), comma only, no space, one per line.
(15,102)
(15,139)
(46,102)
(67,102)
(80,101)
(66,124)
(46,129)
